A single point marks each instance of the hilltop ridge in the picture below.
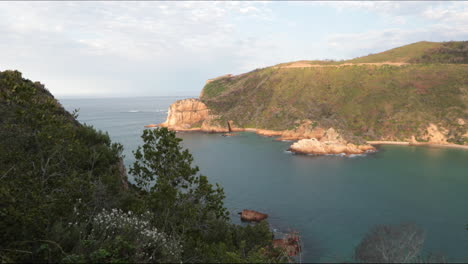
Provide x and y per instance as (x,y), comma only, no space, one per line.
(419,52)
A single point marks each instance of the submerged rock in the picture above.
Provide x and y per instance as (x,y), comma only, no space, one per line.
(250,215)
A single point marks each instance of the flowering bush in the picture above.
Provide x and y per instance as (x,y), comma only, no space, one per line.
(122,236)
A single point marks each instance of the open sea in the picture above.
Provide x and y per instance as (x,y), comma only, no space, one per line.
(331,201)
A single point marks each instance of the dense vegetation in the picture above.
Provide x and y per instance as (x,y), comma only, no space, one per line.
(64,195)
(366,101)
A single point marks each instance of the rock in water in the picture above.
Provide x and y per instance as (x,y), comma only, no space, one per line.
(330,143)
(250,215)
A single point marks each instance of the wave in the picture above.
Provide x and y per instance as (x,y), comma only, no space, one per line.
(356,155)
(337,155)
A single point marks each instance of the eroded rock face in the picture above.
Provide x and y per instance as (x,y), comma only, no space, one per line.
(186,113)
(190,115)
(436,135)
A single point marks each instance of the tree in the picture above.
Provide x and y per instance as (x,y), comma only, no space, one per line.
(391,244)
(177,194)
(184,204)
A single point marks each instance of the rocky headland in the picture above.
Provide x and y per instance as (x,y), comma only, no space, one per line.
(192,115)
(411,95)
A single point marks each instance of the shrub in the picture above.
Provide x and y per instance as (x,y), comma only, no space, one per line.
(391,244)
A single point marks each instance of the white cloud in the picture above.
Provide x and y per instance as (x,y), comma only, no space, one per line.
(160,35)
(456,13)
(381,40)
(159,46)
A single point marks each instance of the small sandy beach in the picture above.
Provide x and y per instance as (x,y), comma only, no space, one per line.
(417,144)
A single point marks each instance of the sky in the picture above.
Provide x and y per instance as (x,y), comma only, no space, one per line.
(170,48)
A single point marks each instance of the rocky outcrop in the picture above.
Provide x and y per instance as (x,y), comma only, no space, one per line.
(290,244)
(436,135)
(186,113)
(314,146)
(330,143)
(192,115)
(252,216)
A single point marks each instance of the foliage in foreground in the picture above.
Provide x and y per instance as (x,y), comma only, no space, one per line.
(64,195)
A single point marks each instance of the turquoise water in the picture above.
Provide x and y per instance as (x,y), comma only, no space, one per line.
(332,201)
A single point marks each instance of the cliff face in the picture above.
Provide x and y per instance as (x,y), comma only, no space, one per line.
(192,115)
(186,113)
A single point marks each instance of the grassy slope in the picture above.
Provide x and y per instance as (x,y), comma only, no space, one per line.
(400,54)
(372,102)
(419,52)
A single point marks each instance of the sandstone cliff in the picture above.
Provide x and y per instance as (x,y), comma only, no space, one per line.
(192,115)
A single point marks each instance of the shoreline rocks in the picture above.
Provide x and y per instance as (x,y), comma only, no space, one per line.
(192,115)
(290,244)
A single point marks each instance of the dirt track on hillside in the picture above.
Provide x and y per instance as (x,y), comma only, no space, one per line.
(306,65)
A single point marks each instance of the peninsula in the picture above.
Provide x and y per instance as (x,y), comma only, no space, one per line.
(415,95)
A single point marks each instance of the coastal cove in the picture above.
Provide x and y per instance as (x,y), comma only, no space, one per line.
(332,201)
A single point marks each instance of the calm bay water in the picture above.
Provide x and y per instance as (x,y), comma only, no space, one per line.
(332,201)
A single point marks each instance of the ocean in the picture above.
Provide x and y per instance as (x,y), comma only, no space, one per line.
(331,201)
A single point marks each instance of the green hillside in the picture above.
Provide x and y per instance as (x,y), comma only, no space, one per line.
(365,101)
(419,52)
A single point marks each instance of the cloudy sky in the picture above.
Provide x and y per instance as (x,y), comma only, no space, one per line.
(120,49)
